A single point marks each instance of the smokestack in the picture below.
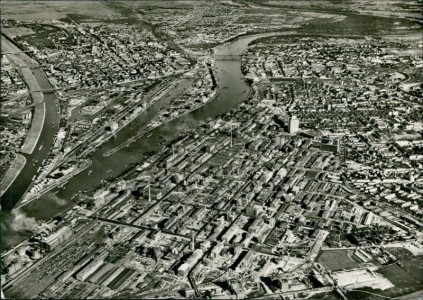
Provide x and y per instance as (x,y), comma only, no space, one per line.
(149,191)
(231,136)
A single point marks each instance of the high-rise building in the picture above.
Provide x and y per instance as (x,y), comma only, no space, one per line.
(280,140)
(294,125)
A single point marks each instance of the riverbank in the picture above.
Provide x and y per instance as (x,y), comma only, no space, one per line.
(27,198)
(13,172)
(33,86)
(29,78)
(233,90)
(44,124)
(256,36)
(151,102)
(97,139)
(147,129)
(34,132)
(415,295)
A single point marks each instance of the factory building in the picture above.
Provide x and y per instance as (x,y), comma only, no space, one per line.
(51,242)
(191,261)
(91,267)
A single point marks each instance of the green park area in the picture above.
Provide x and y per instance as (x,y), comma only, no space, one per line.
(336,260)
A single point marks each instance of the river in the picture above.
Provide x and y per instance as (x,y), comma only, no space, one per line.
(232,91)
(14,193)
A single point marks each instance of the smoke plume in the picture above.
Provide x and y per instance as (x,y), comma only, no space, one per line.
(51,197)
(21,222)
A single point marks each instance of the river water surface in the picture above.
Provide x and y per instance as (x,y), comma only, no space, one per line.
(233,90)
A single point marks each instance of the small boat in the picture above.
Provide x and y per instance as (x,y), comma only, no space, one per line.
(40,148)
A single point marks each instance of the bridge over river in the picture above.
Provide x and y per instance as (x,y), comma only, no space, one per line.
(227,57)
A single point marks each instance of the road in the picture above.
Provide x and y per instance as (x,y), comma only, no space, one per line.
(193,284)
(330,280)
(310,291)
(374,294)
(166,232)
(314,251)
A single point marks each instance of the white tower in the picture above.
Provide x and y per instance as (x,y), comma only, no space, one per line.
(294,125)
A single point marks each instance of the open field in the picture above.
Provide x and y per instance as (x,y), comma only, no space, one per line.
(397,8)
(17,31)
(336,260)
(408,249)
(406,282)
(48,10)
(401,253)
